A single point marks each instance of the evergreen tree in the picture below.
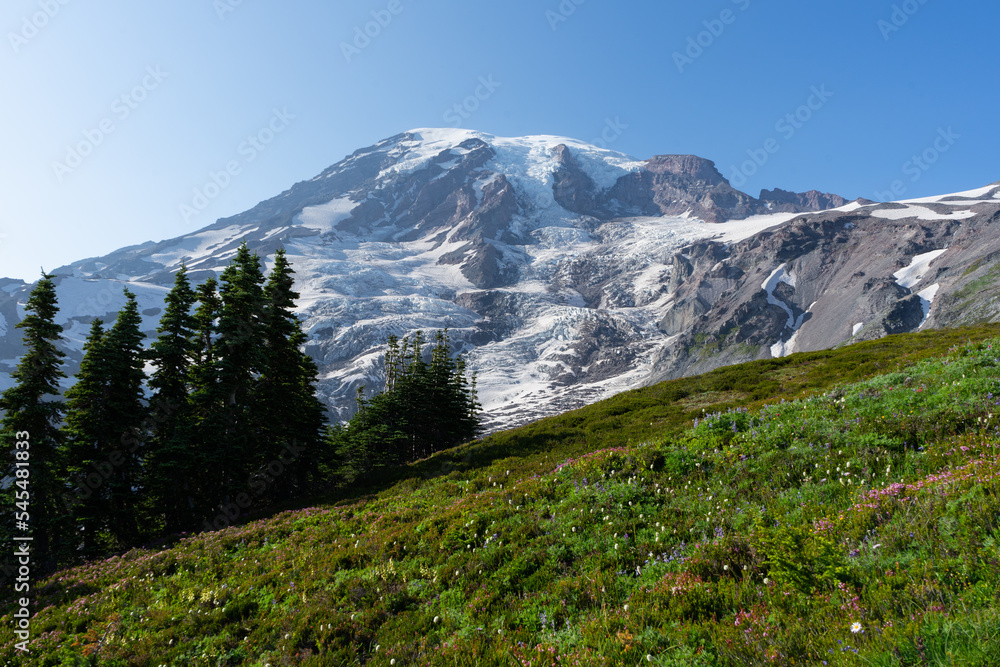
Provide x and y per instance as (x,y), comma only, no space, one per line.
(425,408)
(126,416)
(453,407)
(465,398)
(207,402)
(241,359)
(415,398)
(290,417)
(32,413)
(87,436)
(106,435)
(172,464)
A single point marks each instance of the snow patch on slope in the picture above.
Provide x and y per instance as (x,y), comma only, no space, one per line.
(910,276)
(849,208)
(324,217)
(919,212)
(968,194)
(734,231)
(778,276)
(926,299)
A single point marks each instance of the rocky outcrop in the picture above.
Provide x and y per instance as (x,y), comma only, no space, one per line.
(670,185)
(678,185)
(903,315)
(572,187)
(783,201)
(491,217)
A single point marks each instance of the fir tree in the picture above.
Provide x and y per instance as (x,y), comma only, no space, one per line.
(32,413)
(241,359)
(172,464)
(87,437)
(207,403)
(454,406)
(290,417)
(106,435)
(425,408)
(126,416)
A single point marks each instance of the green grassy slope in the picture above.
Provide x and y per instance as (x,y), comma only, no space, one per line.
(840,506)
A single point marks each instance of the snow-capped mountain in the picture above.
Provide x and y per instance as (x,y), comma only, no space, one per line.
(565,272)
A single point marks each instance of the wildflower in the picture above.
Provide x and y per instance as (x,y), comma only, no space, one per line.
(856,627)
(437,619)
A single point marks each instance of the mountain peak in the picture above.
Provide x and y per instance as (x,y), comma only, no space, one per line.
(551,260)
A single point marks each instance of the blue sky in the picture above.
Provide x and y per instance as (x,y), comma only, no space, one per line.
(115,113)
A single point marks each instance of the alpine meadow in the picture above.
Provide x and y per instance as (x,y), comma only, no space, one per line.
(467,334)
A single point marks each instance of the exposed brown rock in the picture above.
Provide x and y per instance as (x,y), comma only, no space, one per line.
(783,201)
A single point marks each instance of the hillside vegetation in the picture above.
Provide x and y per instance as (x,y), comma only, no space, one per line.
(836,508)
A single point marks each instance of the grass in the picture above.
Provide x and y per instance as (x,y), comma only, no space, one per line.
(839,506)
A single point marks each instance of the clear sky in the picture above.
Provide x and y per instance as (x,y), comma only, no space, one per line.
(115,113)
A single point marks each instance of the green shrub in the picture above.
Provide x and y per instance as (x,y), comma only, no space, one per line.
(799,557)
